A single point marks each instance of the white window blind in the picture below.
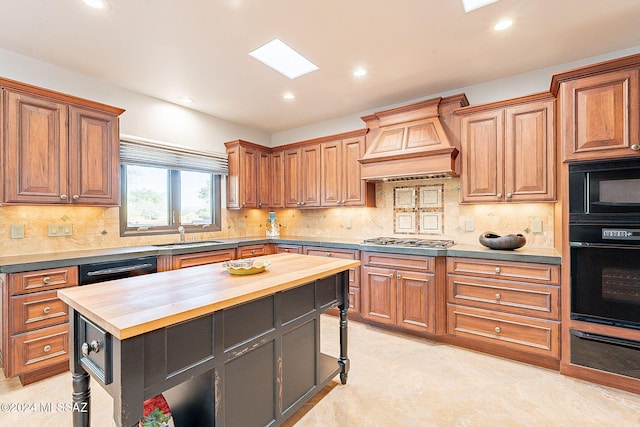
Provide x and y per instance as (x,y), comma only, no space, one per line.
(146,152)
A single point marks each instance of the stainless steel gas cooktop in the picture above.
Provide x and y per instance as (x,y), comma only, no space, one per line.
(409,242)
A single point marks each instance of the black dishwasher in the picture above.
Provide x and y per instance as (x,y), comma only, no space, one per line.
(111,270)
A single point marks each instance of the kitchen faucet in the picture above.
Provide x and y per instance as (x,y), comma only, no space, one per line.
(181,231)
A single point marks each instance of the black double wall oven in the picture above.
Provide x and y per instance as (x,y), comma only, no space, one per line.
(604,235)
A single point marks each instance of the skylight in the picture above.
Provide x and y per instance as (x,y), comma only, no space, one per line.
(283,59)
(470,5)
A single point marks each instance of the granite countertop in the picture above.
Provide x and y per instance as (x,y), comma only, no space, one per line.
(136,305)
(19,263)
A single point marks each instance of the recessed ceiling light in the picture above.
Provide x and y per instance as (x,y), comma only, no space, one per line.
(503,24)
(185,100)
(288,96)
(470,5)
(360,72)
(283,59)
(97,4)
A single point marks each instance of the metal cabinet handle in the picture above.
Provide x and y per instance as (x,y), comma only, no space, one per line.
(260,204)
(398,276)
(75,197)
(253,251)
(46,310)
(498,296)
(499,195)
(498,270)
(63,197)
(46,280)
(497,329)
(391,275)
(88,348)
(286,250)
(509,195)
(46,348)
(635,147)
(329,254)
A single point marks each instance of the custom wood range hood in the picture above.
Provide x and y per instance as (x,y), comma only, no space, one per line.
(420,140)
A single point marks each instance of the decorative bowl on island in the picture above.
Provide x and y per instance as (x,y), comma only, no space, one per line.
(243,267)
(508,242)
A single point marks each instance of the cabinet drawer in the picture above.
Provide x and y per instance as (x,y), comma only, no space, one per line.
(42,280)
(409,262)
(251,251)
(520,333)
(39,310)
(506,270)
(38,349)
(528,299)
(201,258)
(288,249)
(354,273)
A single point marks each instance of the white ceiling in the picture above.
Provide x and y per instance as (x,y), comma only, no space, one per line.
(412,48)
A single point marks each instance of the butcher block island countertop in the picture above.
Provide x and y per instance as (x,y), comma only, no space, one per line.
(129,307)
(213,343)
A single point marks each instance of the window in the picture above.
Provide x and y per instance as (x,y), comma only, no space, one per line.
(160,193)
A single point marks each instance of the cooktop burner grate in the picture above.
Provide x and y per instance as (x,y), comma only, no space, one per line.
(411,243)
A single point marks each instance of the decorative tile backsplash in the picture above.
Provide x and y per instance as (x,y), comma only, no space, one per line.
(418,209)
(435,211)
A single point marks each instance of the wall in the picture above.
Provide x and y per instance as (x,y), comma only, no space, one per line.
(496,90)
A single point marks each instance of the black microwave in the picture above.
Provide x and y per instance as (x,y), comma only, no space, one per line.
(605,191)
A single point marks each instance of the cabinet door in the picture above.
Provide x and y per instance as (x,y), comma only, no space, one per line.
(292,178)
(248,177)
(331,177)
(529,152)
(482,157)
(264,180)
(601,115)
(36,149)
(379,295)
(276,179)
(353,187)
(416,301)
(233,179)
(94,158)
(311,175)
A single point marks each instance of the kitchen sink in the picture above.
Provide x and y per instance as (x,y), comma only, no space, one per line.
(189,244)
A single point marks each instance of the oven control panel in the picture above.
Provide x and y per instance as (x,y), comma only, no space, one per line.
(621,233)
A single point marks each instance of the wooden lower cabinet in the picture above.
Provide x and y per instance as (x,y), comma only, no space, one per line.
(253,250)
(504,307)
(518,333)
(35,323)
(399,291)
(355,310)
(288,249)
(201,258)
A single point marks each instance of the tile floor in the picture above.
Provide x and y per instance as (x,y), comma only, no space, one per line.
(397,380)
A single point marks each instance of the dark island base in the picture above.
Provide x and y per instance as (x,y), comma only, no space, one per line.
(254,364)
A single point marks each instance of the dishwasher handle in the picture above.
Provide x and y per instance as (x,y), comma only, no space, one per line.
(116,270)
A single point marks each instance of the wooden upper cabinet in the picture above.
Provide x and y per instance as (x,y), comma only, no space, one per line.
(58,149)
(508,151)
(302,176)
(600,110)
(292,178)
(276,179)
(323,172)
(342,184)
(482,153)
(94,157)
(242,182)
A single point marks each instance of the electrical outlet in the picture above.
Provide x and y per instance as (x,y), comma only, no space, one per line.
(59,230)
(536,225)
(17,231)
(348,225)
(468,225)
(240,223)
